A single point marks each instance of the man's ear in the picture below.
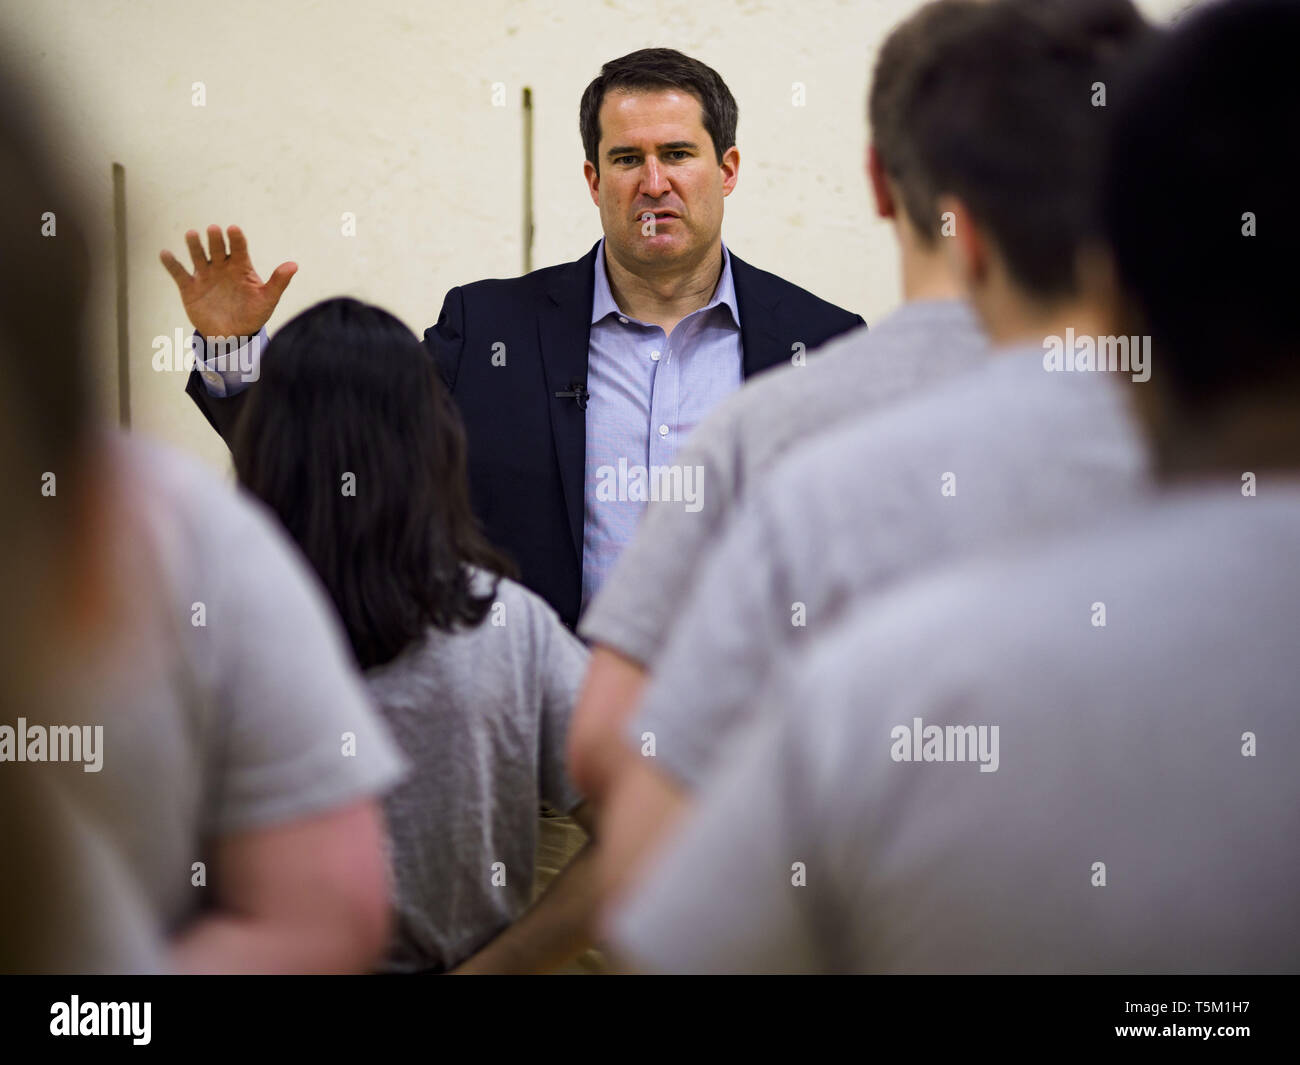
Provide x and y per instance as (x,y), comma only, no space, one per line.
(885,206)
(593,181)
(730,166)
(965,244)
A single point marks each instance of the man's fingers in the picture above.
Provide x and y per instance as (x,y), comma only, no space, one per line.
(216,245)
(238,243)
(278,281)
(197,253)
(179,274)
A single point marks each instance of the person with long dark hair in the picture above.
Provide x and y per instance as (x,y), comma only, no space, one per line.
(353,441)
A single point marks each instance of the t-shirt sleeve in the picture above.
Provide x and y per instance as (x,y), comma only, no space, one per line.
(714,665)
(732,892)
(636,607)
(562,665)
(298,733)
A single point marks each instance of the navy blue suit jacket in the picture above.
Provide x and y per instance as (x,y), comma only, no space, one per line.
(526,446)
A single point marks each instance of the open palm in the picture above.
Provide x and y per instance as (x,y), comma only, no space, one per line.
(224,296)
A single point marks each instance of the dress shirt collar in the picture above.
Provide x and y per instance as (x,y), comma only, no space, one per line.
(603,305)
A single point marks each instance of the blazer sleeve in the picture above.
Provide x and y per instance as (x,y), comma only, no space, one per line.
(446,340)
(222,413)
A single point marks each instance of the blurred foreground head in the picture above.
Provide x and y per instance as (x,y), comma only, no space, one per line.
(56,874)
(1009,112)
(45,406)
(1199,205)
(904,188)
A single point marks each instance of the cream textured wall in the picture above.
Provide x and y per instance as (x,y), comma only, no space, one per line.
(385,109)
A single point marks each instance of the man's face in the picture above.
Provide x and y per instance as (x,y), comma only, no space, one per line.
(657,159)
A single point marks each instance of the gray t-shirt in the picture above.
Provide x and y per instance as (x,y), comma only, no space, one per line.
(746,435)
(82,909)
(230,702)
(482,714)
(1144,809)
(1008,450)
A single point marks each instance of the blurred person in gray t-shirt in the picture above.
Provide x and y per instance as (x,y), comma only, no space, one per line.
(353,441)
(932,336)
(1009,450)
(173,792)
(1075,755)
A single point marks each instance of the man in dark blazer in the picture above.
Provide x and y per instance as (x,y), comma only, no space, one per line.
(543,381)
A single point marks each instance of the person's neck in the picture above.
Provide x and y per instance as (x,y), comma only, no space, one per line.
(665,297)
(1231,438)
(1015,321)
(926,275)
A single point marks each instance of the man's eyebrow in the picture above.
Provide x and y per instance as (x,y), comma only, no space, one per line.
(667,146)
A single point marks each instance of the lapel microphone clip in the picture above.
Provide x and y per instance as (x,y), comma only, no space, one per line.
(578,391)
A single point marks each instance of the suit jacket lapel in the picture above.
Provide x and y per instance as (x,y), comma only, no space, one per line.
(564,335)
(759,338)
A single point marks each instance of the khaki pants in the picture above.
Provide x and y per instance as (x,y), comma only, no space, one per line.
(559,838)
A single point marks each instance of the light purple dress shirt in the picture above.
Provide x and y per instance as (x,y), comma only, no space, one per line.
(647,392)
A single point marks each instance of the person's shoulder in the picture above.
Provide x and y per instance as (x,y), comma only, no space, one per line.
(193,496)
(493,290)
(1156,558)
(972,401)
(852,360)
(483,581)
(841,353)
(525,631)
(794,300)
(512,600)
(750,409)
(993,408)
(166,468)
(1011,595)
(813,474)
(894,637)
(193,507)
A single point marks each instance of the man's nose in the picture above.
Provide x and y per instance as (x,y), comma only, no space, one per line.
(654,180)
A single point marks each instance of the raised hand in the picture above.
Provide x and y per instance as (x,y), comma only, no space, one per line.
(224,297)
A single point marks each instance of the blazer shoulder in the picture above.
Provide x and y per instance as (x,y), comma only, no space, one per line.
(494,290)
(772,288)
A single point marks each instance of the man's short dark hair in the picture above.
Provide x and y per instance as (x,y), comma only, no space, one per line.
(1007,117)
(655,70)
(1199,201)
(903,53)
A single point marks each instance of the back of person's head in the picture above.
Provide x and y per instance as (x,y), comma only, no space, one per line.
(46,403)
(903,54)
(1009,116)
(52,556)
(351,438)
(1199,206)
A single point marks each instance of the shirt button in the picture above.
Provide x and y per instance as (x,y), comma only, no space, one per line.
(211,377)
(654,356)
(663,430)
(622,319)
